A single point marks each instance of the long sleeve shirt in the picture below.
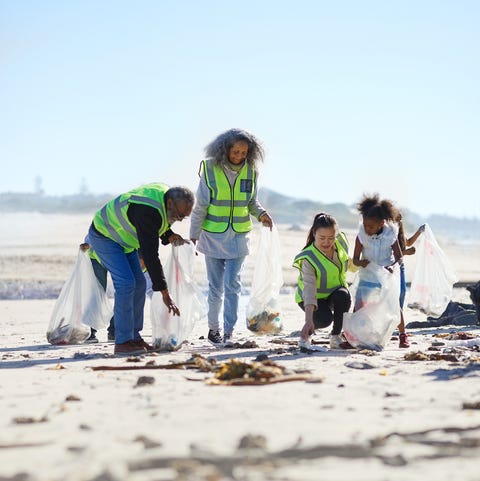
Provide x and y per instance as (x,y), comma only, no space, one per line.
(309,276)
(220,245)
(147,221)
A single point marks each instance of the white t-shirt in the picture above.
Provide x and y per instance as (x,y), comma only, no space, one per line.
(377,248)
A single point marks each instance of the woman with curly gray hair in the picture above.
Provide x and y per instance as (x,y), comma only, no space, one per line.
(225,200)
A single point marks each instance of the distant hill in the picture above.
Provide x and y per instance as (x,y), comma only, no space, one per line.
(300,212)
(284,210)
(76,203)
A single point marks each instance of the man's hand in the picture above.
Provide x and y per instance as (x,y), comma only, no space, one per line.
(177,240)
(84,247)
(168,301)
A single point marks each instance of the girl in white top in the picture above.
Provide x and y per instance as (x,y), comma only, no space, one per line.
(377,240)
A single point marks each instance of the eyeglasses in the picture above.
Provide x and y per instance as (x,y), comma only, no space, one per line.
(179,215)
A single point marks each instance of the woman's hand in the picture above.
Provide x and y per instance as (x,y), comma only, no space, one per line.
(266,220)
(307,330)
(168,301)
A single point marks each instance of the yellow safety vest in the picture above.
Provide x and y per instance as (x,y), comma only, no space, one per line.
(112,219)
(228,206)
(329,276)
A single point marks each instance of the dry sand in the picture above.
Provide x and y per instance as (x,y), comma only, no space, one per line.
(373,417)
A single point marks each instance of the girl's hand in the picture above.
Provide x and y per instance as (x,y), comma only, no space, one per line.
(364,263)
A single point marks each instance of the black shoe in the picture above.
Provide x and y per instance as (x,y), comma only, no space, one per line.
(215,338)
(92,339)
(111,336)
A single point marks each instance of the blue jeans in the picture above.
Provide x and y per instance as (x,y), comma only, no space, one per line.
(101,275)
(403,285)
(128,282)
(223,275)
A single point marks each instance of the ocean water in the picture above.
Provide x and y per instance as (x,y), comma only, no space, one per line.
(38,252)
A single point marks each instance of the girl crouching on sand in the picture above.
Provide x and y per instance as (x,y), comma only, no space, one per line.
(322,282)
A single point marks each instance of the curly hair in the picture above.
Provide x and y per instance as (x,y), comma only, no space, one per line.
(372,207)
(180,193)
(320,220)
(219,148)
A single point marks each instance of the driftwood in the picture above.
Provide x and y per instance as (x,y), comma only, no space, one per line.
(148,365)
(233,372)
(262,382)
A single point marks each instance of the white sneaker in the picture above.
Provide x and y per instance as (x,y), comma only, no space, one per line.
(304,344)
(227,340)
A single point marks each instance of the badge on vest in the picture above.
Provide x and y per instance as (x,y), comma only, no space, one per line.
(246,185)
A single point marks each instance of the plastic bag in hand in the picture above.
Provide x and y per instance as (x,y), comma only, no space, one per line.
(263,313)
(377,292)
(82,304)
(432,282)
(169,331)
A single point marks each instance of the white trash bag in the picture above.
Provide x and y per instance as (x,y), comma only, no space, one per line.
(378,307)
(169,332)
(263,313)
(432,282)
(81,305)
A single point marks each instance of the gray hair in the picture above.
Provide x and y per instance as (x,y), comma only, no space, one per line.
(219,148)
(179,193)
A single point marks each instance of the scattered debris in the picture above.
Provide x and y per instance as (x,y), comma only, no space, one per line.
(289,342)
(456,335)
(367,352)
(57,367)
(265,322)
(147,442)
(242,345)
(359,365)
(253,442)
(29,420)
(421,356)
(145,381)
(72,397)
(134,359)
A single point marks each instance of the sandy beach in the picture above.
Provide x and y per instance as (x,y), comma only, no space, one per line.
(78,413)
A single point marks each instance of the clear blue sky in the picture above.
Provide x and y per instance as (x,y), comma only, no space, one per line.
(348,97)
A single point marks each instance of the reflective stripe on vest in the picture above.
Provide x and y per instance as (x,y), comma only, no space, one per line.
(319,262)
(228,206)
(112,219)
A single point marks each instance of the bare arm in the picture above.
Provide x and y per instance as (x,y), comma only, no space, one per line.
(357,253)
(411,240)
(397,252)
